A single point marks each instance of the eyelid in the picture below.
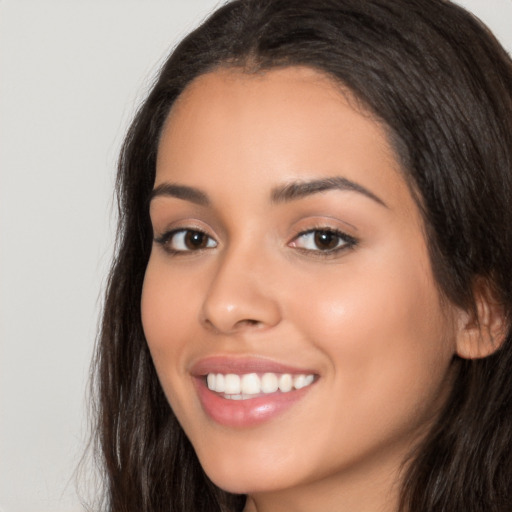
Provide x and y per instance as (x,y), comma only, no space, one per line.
(167,236)
(166,227)
(348,241)
(345,241)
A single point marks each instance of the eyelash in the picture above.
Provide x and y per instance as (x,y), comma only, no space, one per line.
(343,241)
(167,238)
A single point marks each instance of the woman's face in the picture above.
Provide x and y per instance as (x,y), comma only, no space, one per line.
(290,272)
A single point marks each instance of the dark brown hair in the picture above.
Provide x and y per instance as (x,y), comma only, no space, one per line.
(442,85)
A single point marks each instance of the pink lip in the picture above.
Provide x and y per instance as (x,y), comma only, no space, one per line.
(244,413)
(240,365)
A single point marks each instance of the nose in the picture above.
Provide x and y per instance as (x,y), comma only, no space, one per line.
(241,295)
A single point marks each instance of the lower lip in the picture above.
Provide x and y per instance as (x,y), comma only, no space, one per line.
(249,412)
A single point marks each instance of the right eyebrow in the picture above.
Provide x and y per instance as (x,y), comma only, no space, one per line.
(184,192)
(300,189)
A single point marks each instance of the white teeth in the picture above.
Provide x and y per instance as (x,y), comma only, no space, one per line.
(211,381)
(285,382)
(232,384)
(299,381)
(269,383)
(250,384)
(220,383)
(241,387)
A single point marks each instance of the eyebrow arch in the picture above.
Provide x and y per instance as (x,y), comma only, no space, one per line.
(289,192)
(300,189)
(185,192)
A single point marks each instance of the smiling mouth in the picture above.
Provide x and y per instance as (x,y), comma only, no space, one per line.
(244,392)
(252,385)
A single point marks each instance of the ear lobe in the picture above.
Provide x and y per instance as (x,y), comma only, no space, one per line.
(482,330)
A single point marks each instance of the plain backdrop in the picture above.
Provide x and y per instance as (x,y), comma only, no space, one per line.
(72,73)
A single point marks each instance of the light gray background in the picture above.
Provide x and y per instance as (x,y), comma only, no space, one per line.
(71,75)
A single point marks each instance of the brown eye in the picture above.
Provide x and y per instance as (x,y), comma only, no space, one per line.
(323,241)
(186,240)
(326,240)
(195,240)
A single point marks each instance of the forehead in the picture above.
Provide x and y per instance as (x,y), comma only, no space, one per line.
(269,99)
(275,126)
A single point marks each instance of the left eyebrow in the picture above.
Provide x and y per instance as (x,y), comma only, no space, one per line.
(192,194)
(300,189)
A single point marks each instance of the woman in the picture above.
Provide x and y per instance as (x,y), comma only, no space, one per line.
(309,307)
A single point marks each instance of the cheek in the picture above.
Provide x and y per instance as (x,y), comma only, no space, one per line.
(384,333)
(168,305)
(167,308)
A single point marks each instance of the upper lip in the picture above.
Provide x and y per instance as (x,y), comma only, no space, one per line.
(243,364)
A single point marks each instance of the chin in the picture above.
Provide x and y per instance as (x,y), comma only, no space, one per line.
(239,476)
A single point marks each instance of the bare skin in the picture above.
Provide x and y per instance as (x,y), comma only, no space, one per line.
(336,281)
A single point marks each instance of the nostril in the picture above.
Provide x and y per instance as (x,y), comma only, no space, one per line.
(248,323)
(238,325)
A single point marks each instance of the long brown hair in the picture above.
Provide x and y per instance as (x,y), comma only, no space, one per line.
(442,85)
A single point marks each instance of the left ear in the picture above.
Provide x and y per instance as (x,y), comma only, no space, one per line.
(483,329)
